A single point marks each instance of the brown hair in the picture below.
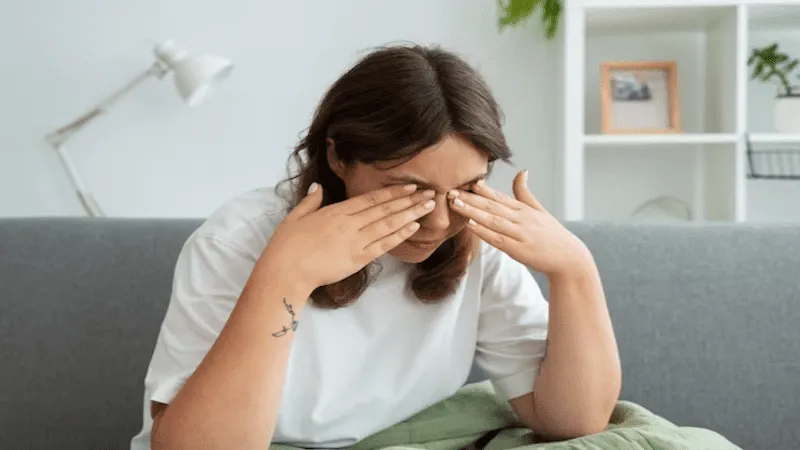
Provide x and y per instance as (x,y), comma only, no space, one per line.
(391,105)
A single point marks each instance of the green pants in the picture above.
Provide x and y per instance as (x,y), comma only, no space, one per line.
(477,413)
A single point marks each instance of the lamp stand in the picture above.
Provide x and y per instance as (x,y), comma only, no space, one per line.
(87,200)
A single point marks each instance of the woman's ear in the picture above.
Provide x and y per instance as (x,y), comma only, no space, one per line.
(336,164)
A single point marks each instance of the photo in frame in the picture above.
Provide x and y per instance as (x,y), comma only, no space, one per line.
(639,97)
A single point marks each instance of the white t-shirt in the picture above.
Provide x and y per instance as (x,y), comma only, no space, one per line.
(356,370)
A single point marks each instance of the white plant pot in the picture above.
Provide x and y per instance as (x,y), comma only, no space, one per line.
(787,113)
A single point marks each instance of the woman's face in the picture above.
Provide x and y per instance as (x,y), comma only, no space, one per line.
(451,164)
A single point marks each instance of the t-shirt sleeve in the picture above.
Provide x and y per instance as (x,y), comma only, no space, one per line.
(512,326)
(208,279)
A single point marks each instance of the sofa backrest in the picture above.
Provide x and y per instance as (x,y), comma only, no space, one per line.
(706,318)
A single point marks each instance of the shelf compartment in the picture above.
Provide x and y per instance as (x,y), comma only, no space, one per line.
(622,178)
(769,24)
(643,18)
(778,161)
(701,40)
(774,17)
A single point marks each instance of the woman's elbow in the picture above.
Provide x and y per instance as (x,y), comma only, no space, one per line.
(576,428)
(592,422)
(588,426)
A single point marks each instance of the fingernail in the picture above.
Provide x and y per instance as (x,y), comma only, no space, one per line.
(429,204)
(472,222)
(458,202)
(413,226)
(313,188)
(525,175)
(480,183)
(453,194)
(429,193)
(410,187)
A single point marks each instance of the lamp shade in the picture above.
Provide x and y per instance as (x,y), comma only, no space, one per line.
(195,76)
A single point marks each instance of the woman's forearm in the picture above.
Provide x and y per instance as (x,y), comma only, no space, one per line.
(232,398)
(580,378)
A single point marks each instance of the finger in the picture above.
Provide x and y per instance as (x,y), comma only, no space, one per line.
(483,189)
(310,203)
(373,198)
(523,194)
(388,225)
(491,221)
(376,213)
(491,237)
(485,204)
(381,246)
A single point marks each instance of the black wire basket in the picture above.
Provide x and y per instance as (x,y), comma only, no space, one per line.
(773,163)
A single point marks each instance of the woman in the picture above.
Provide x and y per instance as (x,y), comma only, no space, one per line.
(358,292)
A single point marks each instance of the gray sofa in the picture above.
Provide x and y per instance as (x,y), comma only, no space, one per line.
(707,319)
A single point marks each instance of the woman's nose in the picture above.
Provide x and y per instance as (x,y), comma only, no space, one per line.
(439,218)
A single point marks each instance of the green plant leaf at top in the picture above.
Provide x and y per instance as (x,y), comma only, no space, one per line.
(514,12)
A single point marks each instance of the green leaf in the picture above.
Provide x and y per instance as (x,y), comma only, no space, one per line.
(515,11)
(772,73)
(759,69)
(770,63)
(551,14)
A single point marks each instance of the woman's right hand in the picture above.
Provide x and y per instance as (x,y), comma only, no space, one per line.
(326,245)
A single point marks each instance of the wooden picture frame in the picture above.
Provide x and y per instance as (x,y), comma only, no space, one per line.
(639,97)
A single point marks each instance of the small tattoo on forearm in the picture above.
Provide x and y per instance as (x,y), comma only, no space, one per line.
(286,329)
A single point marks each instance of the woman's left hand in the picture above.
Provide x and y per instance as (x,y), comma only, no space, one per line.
(521,227)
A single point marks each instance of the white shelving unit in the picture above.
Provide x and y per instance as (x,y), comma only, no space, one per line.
(606,176)
(774,138)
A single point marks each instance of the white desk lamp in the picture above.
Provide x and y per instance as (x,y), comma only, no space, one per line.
(195,78)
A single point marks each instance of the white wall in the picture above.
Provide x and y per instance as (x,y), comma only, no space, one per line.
(151,156)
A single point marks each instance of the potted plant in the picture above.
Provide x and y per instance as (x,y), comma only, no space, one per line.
(514,12)
(769,63)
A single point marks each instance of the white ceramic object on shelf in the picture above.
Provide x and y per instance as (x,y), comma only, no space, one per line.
(787,113)
(662,209)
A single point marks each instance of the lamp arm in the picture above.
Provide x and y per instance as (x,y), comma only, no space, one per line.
(58,137)
(61,135)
